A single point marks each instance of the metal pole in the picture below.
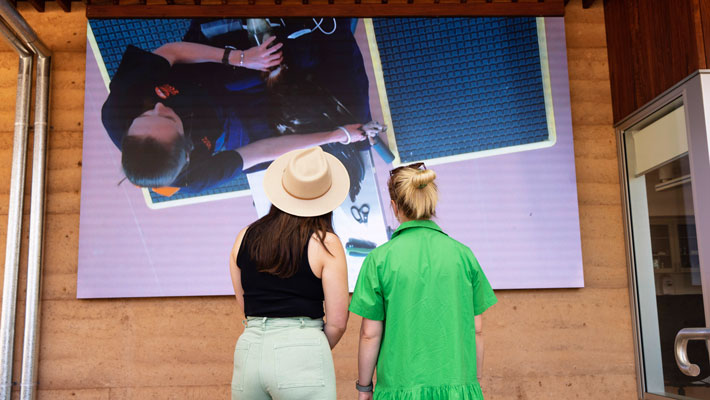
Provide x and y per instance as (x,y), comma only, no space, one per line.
(18,24)
(30,349)
(14,217)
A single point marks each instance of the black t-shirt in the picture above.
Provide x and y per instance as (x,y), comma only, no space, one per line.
(204,105)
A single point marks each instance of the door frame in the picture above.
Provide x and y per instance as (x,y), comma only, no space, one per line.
(694,91)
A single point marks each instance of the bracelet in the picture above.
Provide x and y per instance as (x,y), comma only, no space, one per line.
(241,59)
(361,388)
(350,138)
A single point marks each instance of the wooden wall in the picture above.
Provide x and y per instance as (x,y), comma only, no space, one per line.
(540,344)
(652,46)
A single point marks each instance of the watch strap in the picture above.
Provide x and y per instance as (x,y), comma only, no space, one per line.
(361,388)
(225,56)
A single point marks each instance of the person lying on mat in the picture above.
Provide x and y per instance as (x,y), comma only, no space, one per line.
(190,117)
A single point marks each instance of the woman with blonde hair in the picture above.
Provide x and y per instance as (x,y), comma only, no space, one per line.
(285,268)
(421,296)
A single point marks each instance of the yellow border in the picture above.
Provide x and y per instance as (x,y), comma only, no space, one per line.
(146,192)
(381,89)
(546,81)
(192,200)
(97,55)
(547,91)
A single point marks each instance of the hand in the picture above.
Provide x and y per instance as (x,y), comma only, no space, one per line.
(356,134)
(259,58)
(364,396)
(373,129)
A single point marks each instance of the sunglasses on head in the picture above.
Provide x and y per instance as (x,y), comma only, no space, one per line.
(413,166)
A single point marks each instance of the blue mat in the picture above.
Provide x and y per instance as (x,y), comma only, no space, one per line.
(112,37)
(461,85)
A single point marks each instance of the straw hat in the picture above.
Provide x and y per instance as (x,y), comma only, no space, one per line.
(307,182)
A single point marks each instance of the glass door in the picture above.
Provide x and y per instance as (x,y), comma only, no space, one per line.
(665,180)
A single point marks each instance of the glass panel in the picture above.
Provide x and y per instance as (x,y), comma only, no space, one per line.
(688,245)
(679,297)
(660,246)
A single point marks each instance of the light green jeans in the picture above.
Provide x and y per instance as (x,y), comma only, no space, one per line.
(283,359)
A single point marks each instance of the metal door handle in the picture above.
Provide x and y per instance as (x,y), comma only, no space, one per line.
(681,348)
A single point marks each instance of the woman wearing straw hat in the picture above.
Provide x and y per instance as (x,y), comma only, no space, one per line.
(285,267)
(421,296)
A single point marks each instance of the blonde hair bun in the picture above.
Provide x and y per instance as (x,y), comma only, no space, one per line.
(422,178)
(414,192)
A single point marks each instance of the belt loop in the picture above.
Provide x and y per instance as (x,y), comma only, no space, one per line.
(245,323)
(303,323)
(263,323)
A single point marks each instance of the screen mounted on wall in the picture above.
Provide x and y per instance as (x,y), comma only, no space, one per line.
(181,122)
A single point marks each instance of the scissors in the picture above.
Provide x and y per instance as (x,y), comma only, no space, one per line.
(360,213)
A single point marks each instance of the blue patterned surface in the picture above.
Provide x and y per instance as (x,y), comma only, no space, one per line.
(461,85)
(112,37)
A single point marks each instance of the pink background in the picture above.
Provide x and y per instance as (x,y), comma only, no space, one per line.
(518,213)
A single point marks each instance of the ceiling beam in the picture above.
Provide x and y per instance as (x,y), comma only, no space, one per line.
(38,4)
(554,8)
(65,5)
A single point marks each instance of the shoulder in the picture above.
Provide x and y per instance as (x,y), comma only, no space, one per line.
(135,57)
(460,246)
(331,238)
(378,254)
(138,66)
(238,242)
(465,255)
(331,242)
(462,250)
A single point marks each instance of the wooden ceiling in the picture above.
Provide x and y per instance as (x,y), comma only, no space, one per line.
(360,8)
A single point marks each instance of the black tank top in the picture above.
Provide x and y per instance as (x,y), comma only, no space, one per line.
(267,295)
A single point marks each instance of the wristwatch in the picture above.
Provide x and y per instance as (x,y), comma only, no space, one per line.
(361,388)
(225,56)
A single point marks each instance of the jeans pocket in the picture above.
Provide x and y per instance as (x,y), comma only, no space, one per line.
(299,363)
(241,353)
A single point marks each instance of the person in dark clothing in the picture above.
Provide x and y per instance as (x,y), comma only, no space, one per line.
(192,116)
(288,271)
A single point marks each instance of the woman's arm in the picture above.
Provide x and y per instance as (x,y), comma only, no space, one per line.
(235,272)
(334,277)
(478,320)
(271,148)
(368,351)
(260,57)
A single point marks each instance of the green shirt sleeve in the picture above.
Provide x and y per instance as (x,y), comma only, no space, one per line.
(483,296)
(368,301)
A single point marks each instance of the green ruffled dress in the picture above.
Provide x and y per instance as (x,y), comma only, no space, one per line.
(427,288)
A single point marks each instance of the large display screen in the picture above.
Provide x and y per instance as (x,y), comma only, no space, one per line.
(182,116)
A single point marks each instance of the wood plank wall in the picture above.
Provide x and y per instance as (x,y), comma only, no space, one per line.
(652,46)
(544,344)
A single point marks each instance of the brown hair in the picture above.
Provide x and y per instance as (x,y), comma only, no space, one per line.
(414,191)
(148,163)
(279,240)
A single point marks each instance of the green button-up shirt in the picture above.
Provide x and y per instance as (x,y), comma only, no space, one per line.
(427,288)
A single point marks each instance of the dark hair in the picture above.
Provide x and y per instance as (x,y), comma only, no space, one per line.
(149,163)
(278,241)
